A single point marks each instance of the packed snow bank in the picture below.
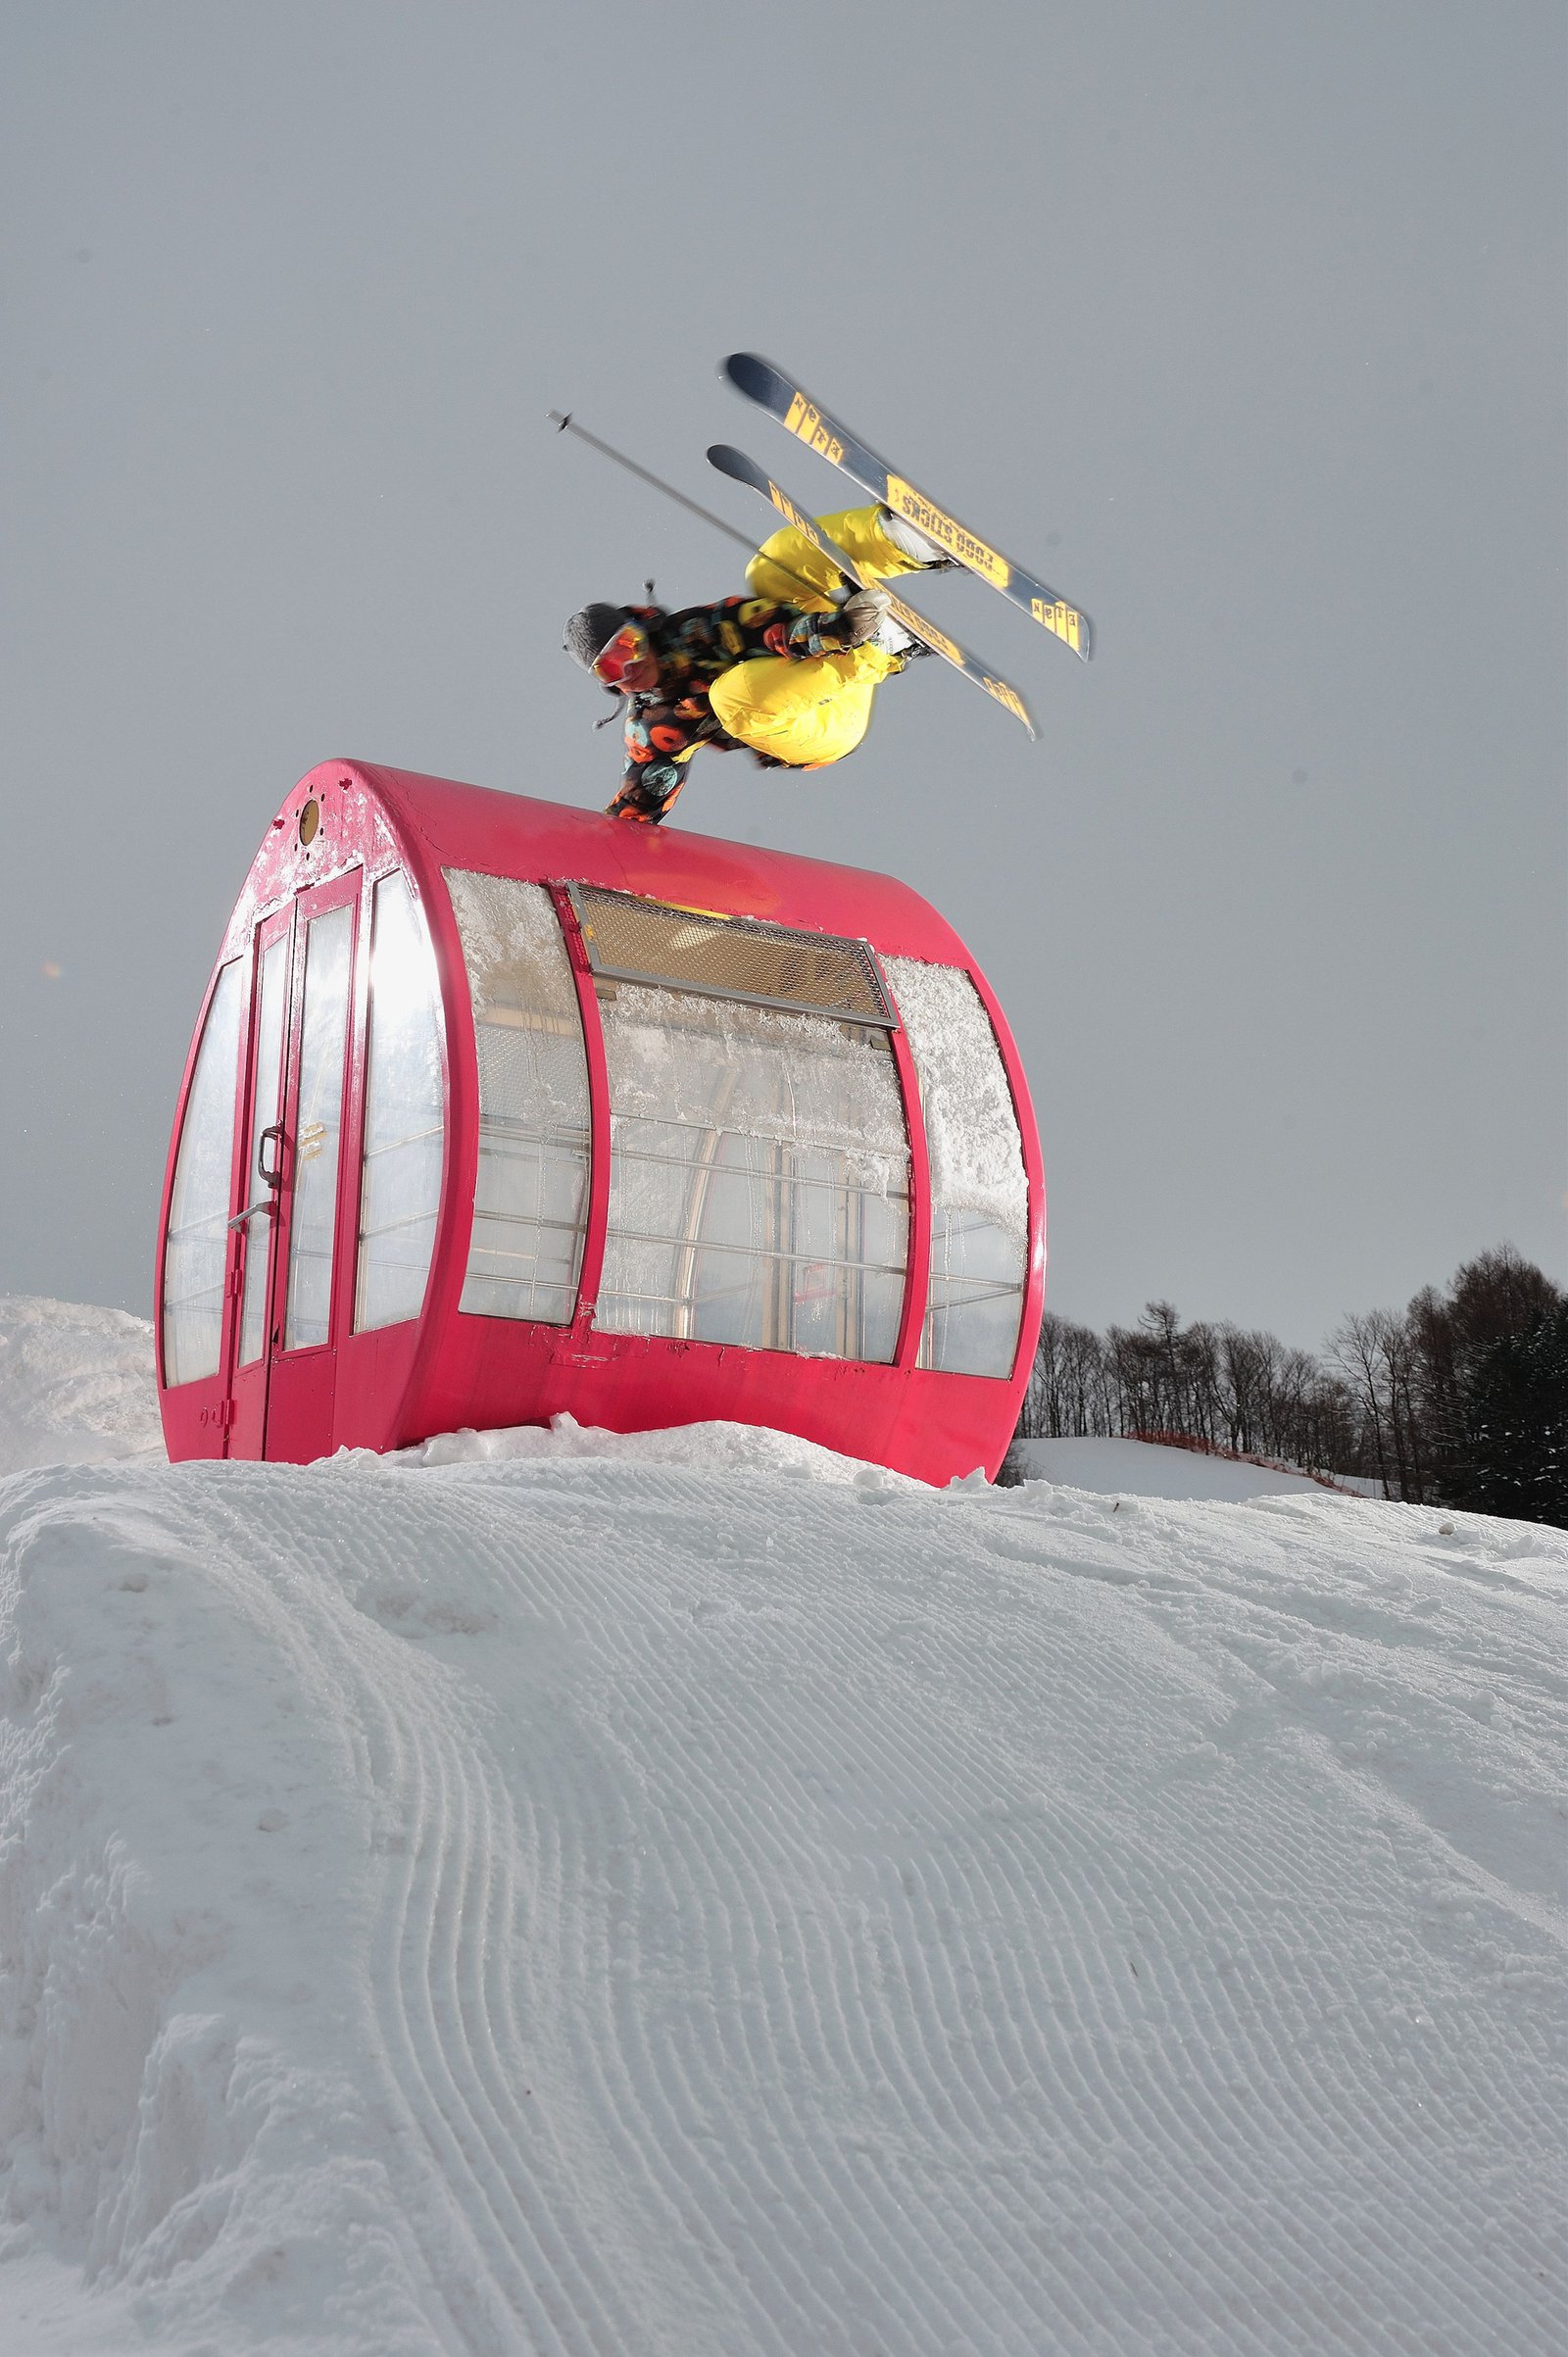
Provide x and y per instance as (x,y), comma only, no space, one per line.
(694,1895)
(77,1385)
(1118,1468)
(726,1450)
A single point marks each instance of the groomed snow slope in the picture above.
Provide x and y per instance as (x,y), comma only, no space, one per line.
(1147,1469)
(689,1895)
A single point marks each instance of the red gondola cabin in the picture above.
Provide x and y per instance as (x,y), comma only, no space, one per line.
(498,1108)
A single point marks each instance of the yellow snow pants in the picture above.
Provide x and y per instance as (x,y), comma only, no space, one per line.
(814,711)
(806,714)
(788,568)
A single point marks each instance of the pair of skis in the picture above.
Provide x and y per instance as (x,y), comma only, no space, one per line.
(758,381)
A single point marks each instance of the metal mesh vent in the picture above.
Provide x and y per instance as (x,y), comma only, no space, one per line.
(632,940)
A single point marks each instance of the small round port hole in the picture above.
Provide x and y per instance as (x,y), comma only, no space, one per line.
(310,821)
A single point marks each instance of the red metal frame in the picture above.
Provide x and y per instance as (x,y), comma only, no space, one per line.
(911,1325)
(301,1380)
(447,1367)
(247,1384)
(593,1034)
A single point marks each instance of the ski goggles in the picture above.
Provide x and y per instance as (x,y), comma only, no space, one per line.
(626,650)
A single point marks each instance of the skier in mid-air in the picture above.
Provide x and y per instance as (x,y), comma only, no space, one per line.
(786,673)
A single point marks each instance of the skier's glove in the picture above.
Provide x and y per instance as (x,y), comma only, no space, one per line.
(858,618)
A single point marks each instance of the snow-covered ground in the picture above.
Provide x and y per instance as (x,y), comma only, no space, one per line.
(695,1894)
(1145,1469)
(75,1385)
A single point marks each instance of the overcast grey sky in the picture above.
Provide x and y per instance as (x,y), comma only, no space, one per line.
(1242,322)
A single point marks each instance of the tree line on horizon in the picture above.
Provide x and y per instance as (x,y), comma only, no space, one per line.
(1459,1400)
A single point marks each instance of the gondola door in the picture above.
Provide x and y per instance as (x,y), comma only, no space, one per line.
(286,1310)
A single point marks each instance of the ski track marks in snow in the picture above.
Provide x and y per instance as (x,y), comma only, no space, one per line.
(592,1902)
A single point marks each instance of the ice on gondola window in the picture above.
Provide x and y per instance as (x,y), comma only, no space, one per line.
(196,1255)
(758,1179)
(400,1189)
(979,1191)
(530,1205)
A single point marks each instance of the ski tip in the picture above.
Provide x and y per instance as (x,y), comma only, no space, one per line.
(1067,624)
(747,372)
(728,459)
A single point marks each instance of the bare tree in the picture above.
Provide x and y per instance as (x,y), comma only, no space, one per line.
(1066,1393)
(1463,1396)
(1356,1349)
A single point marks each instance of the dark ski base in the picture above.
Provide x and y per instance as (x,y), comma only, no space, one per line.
(759,381)
(741,470)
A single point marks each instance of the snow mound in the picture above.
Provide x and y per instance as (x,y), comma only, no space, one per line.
(1148,1469)
(696,1895)
(720,1449)
(77,1385)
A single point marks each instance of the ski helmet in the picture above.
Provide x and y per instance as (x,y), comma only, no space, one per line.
(589,629)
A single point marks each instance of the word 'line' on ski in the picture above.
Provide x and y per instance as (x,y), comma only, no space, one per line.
(770,389)
(741,470)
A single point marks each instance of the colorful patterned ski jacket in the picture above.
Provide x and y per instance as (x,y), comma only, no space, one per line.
(694,647)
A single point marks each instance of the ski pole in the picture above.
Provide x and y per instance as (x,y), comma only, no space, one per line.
(565,422)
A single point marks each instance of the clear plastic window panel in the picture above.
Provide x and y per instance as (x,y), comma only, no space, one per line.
(530,1205)
(979,1191)
(196,1255)
(324,1037)
(400,1192)
(760,1176)
(266,1113)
